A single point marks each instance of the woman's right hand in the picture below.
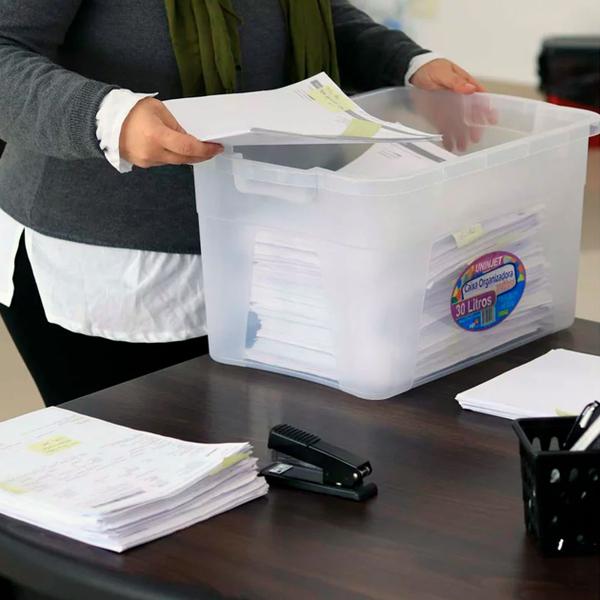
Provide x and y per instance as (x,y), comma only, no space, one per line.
(151,136)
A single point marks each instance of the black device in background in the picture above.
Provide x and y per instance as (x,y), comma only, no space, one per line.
(306,462)
(569,70)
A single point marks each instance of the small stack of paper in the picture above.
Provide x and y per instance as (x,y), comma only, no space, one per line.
(115,487)
(290,326)
(312,111)
(559,382)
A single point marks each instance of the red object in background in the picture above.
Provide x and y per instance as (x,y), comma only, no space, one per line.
(594,141)
(569,69)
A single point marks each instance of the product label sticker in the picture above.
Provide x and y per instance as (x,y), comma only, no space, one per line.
(488,290)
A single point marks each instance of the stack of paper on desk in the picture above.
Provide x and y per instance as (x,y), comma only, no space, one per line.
(312,111)
(560,381)
(112,486)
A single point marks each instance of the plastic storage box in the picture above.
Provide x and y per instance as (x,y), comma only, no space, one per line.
(374,285)
(561,489)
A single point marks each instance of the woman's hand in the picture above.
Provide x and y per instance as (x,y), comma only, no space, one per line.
(442,74)
(151,136)
(460,120)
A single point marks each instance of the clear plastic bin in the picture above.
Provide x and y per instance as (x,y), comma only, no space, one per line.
(359,283)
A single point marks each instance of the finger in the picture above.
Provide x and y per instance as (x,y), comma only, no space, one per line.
(455,82)
(492,116)
(475,134)
(461,141)
(480,87)
(167,157)
(483,112)
(468,78)
(463,86)
(170,121)
(187,145)
(448,141)
(478,113)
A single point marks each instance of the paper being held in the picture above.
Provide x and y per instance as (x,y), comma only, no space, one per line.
(312,111)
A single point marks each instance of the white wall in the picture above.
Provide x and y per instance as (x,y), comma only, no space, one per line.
(495,39)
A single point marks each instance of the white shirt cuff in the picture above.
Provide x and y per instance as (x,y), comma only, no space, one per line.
(110,117)
(416,63)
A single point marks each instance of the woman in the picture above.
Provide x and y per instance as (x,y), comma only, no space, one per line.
(100,273)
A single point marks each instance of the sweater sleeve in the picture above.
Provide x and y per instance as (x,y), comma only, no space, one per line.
(44,107)
(370,55)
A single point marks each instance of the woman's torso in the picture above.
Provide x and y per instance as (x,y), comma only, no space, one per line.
(127,43)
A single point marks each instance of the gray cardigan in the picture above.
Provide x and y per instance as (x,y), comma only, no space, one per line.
(59,59)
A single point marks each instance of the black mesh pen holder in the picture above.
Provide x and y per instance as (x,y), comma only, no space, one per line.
(561,489)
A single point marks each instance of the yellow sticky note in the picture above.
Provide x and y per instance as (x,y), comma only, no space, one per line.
(563,413)
(11,489)
(54,444)
(468,235)
(331,99)
(234,459)
(361,128)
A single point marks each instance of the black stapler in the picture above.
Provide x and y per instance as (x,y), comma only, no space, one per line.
(316,466)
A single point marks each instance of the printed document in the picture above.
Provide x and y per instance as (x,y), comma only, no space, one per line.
(312,111)
(112,486)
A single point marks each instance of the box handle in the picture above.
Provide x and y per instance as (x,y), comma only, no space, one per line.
(289,186)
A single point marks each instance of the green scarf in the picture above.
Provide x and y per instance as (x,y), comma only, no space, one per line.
(205,39)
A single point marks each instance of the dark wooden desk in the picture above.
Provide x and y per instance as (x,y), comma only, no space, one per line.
(447,524)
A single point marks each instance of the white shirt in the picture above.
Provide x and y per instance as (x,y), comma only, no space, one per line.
(115,293)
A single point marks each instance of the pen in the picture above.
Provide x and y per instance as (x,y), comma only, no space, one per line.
(587,417)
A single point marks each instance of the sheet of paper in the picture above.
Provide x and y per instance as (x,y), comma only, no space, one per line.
(559,380)
(312,111)
(105,466)
(397,160)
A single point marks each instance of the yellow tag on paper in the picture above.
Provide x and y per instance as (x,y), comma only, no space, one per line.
(361,128)
(331,99)
(54,444)
(234,459)
(468,235)
(11,489)
(563,413)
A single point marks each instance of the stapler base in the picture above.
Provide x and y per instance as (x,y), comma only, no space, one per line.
(310,479)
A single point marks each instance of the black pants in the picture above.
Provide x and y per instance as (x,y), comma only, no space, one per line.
(66,365)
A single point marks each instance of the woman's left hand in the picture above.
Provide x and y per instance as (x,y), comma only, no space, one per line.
(442,74)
